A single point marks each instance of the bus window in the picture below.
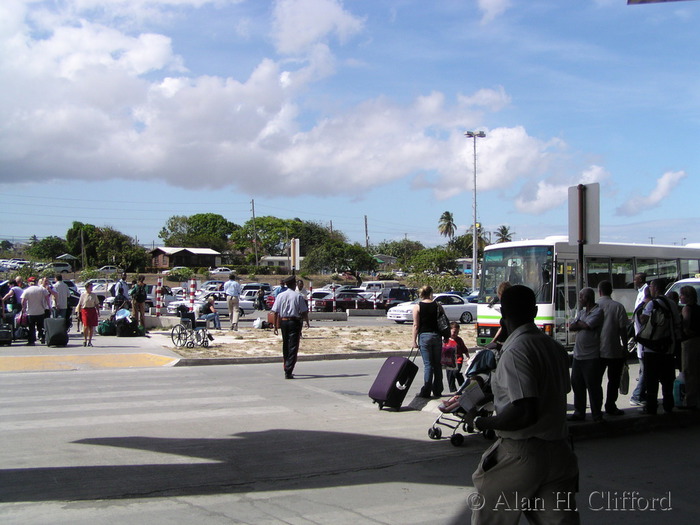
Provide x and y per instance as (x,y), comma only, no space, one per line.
(648,267)
(622,273)
(689,268)
(668,270)
(598,269)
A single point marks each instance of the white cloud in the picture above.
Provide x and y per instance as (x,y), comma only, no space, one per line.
(300,24)
(552,193)
(88,100)
(664,186)
(492,9)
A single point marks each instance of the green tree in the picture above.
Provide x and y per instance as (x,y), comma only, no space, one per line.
(202,230)
(403,250)
(273,235)
(434,260)
(446,225)
(121,250)
(462,244)
(82,242)
(503,234)
(6,245)
(47,249)
(340,257)
(105,245)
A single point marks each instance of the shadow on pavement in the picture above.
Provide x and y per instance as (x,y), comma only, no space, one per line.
(285,458)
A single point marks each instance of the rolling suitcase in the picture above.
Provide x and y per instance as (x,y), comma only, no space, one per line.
(393,381)
(55,331)
(6,335)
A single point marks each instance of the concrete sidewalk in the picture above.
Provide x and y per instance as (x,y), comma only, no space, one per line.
(107,352)
(156,350)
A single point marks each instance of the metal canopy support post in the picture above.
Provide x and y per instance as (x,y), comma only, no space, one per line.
(581,189)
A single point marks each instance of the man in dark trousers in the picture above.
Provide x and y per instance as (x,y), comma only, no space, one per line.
(586,373)
(531,461)
(658,362)
(613,344)
(290,310)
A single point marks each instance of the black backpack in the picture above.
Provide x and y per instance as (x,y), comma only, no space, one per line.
(140,293)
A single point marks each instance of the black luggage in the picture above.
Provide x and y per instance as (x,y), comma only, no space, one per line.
(55,331)
(6,335)
(393,381)
(127,328)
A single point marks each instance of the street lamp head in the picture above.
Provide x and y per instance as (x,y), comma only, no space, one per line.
(473,134)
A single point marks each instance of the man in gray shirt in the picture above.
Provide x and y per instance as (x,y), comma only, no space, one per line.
(613,344)
(586,375)
(531,460)
(61,297)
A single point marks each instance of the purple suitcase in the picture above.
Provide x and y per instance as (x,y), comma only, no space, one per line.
(393,381)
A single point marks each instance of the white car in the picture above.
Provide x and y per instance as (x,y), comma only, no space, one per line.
(109,270)
(173,269)
(456,308)
(221,270)
(220,303)
(676,287)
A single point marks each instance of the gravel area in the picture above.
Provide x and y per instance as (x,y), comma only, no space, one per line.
(320,338)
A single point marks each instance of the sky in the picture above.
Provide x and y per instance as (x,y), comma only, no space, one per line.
(349,112)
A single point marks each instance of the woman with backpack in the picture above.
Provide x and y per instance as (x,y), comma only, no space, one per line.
(139,294)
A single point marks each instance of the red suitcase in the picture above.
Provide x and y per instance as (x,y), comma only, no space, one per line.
(393,381)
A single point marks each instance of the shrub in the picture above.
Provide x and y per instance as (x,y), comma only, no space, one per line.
(180,276)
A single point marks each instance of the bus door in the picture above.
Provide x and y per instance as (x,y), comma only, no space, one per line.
(565,301)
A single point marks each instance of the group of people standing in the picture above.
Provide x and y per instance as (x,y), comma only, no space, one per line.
(602,342)
(38,301)
(682,351)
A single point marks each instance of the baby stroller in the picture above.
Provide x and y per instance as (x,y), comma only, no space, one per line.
(473,396)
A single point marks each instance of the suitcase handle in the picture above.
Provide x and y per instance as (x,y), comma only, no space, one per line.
(410,354)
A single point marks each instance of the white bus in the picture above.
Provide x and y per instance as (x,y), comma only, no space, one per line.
(549,267)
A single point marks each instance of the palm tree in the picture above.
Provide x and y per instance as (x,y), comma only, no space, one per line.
(446,225)
(503,234)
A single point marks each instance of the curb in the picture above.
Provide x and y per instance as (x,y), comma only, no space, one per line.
(633,421)
(203,361)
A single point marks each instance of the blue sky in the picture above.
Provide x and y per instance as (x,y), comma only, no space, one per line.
(331,110)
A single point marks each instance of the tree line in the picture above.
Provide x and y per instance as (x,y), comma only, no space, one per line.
(323,249)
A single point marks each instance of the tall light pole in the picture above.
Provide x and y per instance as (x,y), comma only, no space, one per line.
(475,233)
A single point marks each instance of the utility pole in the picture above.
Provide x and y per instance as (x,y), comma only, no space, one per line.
(255,233)
(366,234)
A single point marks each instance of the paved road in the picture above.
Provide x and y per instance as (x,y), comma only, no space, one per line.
(239,444)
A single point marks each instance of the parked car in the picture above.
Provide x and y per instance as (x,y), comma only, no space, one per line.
(221,270)
(343,301)
(693,281)
(173,269)
(257,286)
(108,270)
(456,307)
(58,267)
(100,287)
(167,297)
(210,286)
(246,306)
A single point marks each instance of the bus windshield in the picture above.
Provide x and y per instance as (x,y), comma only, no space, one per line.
(527,265)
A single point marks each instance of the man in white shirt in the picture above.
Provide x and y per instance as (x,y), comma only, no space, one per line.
(60,298)
(290,310)
(232,288)
(33,304)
